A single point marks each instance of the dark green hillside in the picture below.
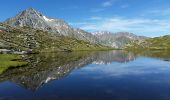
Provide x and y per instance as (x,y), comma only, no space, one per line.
(158,43)
(27,38)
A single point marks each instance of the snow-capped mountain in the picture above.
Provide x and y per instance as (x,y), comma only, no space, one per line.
(34,19)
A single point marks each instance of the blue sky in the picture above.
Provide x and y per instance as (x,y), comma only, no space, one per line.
(142,17)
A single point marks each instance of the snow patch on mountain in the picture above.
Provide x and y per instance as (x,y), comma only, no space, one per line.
(47,19)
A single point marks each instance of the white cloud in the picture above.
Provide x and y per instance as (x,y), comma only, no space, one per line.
(148,27)
(107,3)
(104,5)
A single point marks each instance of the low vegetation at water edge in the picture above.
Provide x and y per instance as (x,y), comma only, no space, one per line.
(10,61)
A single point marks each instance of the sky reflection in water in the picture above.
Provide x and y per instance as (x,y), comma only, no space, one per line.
(114,75)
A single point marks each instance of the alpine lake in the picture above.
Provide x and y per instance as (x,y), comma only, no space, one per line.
(100,75)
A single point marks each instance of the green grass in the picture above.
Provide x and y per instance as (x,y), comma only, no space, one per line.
(158,43)
(10,61)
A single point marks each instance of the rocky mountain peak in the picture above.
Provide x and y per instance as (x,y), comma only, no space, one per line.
(34,19)
(29,13)
(101,33)
(30,10)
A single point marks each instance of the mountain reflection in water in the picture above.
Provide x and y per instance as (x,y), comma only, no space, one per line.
(43,68)
(98,72)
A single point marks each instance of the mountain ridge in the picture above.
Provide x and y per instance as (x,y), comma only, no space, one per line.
(118,39)
(34,19)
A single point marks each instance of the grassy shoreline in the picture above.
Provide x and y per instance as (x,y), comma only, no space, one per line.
(8,61)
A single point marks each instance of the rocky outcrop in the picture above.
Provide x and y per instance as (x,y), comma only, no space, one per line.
(118,40)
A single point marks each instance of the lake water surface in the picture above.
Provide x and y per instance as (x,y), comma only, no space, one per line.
(105,75)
